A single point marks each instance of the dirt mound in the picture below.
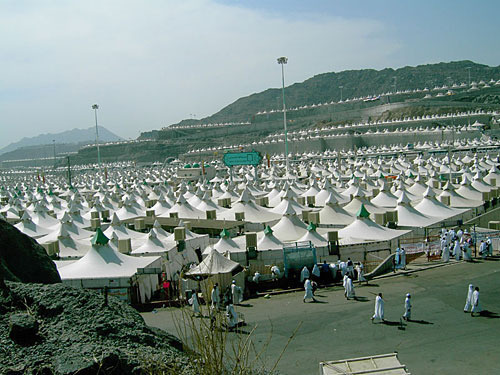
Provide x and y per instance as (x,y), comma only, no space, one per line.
(55,329)
(23,259)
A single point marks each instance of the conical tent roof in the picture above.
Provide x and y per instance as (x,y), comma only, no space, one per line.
(215,263)
(104,262)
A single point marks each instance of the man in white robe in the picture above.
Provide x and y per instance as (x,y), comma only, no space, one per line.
(460,235)
(468,301)
(232,317)
(443,244)
(359,270)
(476,306)
(457,250)
(195,304)
(275,271)
(349,288)
(483,249)
(215,297)
(309,291)
(236,293)
(402,260)
(316,272)
(467,252)
(304,274)
(446,254)
(407,314)
(398,258)
(379,308)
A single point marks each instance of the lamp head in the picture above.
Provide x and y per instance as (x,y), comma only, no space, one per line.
(282,60)
(95,106)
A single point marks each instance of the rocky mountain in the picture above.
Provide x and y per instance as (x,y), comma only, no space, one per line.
(325,87)
(75,136)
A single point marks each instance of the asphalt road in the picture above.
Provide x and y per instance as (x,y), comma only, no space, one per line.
(442,340)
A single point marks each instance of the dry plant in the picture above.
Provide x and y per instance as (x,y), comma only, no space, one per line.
(215,351)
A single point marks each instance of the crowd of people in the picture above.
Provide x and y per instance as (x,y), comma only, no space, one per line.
(459,245)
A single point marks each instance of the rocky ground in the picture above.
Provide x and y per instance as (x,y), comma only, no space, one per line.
(54,329)
(49,328)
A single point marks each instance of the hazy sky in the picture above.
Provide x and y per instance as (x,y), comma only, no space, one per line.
(151,63)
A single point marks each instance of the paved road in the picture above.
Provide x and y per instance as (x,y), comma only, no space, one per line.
(455,343)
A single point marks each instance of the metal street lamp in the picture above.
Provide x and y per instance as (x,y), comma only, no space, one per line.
(95,107)
(282,61)
(469,68)
(54,149)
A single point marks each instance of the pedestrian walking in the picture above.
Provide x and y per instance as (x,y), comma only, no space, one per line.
(379,308)
(468,301)
(476,306)
(407,314)
(309,291)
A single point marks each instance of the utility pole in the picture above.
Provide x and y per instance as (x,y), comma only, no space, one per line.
(69,173)
(282,61)
(95,107)
(54,149)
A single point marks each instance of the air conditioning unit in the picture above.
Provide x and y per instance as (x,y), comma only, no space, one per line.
(486,196)
(375,192)
(52,248)
(311,201)
(262,201)
(251,240)
(493,182)
(391,216)
(380,218)
(333,236)
(95,223)
(445,199)
(224,202)
(495,225)
(211,214)
(139,224)
(174,215)
(239,216)
(188,225)
(105,215)
(124,246)
(314,217)
(94,215)
(51,213)
(435,184)
(150,213)
(150,203)
(305,215)
(301,200)
(179,234)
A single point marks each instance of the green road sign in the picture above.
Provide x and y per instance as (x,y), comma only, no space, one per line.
(242,158)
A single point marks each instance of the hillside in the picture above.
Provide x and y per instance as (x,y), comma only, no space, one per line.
(356,83)
(70,136)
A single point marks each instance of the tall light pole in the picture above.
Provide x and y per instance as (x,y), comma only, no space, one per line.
(95,107)
(282,61)
(54,149)
(341,87)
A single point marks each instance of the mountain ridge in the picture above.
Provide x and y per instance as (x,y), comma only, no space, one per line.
(75,135)
(356,83)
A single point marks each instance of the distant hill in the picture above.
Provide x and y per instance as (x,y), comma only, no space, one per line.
(74,136)
(356,83)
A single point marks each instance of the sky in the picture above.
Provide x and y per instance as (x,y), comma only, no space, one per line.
(149,64)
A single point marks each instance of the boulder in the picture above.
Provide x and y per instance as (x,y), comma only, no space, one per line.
(23,259)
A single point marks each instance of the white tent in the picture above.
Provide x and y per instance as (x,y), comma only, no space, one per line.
(103,267)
